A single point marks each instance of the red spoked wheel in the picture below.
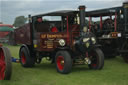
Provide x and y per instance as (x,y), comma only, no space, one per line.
(63,62)
(60,62)
(2,65)
(97,59)
(26,59)
(5,64)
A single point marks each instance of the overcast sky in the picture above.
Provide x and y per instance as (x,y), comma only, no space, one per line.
(9,9)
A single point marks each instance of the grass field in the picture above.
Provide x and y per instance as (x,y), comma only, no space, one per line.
(115,72)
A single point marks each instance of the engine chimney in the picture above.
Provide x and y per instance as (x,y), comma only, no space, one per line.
(82,16)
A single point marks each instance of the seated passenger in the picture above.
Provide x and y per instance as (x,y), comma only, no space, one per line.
(39,19)
(95,27)
(53,28)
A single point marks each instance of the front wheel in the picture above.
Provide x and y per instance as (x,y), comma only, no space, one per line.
(63,62)
(97,59)
(26,59)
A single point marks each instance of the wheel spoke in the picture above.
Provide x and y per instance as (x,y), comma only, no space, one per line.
(2,70)
(1,55)
(2,63)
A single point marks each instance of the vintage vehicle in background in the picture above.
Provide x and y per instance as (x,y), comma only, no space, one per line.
(5,63)
(6,34)
(61,37)
(111,33)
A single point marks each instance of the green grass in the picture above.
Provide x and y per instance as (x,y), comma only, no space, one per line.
(115,72)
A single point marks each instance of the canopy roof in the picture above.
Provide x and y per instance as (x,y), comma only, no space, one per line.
(103,12)
(6,29)
(94,13)
(58,13)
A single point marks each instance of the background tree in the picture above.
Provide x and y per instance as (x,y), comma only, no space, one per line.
(19,21)
(1,22)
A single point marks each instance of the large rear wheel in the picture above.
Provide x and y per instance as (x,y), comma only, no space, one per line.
(63,62)
(97,59)
(5,64)
(26,59)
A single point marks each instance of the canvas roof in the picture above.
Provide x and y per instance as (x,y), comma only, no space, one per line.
(103,12)
(58,13)
(6,29)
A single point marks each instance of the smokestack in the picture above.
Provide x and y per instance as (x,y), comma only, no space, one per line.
(82,16)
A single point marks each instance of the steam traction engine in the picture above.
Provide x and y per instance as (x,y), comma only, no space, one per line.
(62,37)
(111,33)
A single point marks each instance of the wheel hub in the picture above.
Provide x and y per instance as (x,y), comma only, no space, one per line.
(62,62)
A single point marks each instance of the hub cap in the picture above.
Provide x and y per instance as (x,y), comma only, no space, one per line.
(23,58)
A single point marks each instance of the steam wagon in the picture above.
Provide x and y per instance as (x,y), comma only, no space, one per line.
(112,30)
(61,37)
(5,63)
